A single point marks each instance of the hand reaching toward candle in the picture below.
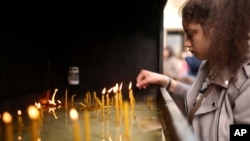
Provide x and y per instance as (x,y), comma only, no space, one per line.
(145,78)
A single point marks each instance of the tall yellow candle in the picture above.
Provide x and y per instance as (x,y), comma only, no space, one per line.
(76,128)
(19,124)
(103,94)
(131,98)
(108,92)
(120,99)
(34,117)
(116,104)
(126,121)
(19,119)
(40,109)
(107,100)
(7,119)
(87,126)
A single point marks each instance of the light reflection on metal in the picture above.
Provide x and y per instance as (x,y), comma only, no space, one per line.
(53,111)
(52,101)
(72,100)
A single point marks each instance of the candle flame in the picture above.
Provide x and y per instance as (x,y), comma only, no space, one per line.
(115,88)
(19,138)
(38,105)
(7,118)
(104,91)
(130,85)
(19,112)
(110,90)
(33,112)
(120,88)
(73,114)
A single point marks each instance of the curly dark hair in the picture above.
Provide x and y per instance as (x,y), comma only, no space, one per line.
(197,11)
(230,41)
(230,20)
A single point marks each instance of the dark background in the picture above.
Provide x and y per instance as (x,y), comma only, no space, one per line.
(110,41)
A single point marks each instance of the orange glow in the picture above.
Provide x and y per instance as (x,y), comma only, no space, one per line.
(7,118)
(73,114)
(33,112)
(19,112)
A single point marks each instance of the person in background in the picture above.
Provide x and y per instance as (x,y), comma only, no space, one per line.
(217,32)
(193,65)
(171,63)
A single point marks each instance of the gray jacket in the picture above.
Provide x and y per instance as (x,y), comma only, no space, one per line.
(227,104)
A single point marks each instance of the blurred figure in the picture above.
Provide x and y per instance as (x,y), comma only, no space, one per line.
(171,63)
(193,64)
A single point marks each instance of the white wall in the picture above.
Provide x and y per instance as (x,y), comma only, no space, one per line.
(172,18)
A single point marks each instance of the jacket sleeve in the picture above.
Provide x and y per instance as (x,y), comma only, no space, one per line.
(181,89)
(241,109)
(241,102)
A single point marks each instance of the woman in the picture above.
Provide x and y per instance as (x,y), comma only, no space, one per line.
(217,33)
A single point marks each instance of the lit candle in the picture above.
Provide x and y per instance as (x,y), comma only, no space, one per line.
(87,126)
(40,109)
(76,129)
(132,100)
(103,94)
(19,124)
(34,117)
(107,97)
(120,99)
(116,104)
(7,119)
(126,121)
(19,119)
(108,101)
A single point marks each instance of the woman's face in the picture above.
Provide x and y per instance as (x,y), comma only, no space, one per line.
(196,41)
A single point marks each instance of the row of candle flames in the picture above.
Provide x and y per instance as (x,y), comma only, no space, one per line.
(35,112)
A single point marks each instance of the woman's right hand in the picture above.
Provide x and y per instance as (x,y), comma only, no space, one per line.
(145,78)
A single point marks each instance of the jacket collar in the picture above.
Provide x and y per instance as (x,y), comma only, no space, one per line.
(222,78)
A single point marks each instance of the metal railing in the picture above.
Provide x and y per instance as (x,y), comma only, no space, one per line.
(175,125)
